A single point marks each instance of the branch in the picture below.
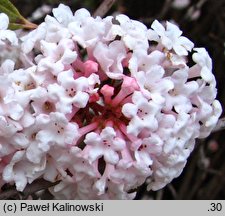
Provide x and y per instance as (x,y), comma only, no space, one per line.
(34,187)
(104,8)
(220,125)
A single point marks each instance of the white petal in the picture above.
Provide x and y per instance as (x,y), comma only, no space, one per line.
(158,27)
(4,21)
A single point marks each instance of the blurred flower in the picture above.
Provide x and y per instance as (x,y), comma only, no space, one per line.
(180,4)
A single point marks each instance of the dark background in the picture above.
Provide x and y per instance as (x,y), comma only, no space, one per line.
(204,175)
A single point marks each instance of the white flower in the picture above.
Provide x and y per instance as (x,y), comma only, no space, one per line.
(63,14)
(86,30)
(4,20)
(6,34)
(21,171)
(110,58)
(142,114)
(57,130)
(150,146)
(99,106)
(56,56)
(153,83)
(104,144)
(170,37)
(133,33)
(72,91)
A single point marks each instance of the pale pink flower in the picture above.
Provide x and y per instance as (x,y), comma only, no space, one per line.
(104,144)
(170,37)
(102,105)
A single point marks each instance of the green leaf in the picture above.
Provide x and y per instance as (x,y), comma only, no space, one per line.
(17,21)
(8,8)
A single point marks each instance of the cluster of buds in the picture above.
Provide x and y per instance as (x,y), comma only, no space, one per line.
(101,105)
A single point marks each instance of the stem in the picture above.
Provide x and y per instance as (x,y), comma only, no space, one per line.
(37,185)
(29,25)
(104,8)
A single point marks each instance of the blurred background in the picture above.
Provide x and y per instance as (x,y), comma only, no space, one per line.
(203,22)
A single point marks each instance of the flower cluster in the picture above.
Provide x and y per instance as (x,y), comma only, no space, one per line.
(102,105)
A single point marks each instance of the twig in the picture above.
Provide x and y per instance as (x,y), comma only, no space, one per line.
(188,175)
(160,16)
(8,194)
(104,8)
(36,186)
(165,9)
(215,172)
(172,190)
(159,194)
(215,185)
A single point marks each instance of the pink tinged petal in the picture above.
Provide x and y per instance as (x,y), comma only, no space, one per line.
(101,55)
(110,58)
(129,110)
(90,67)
